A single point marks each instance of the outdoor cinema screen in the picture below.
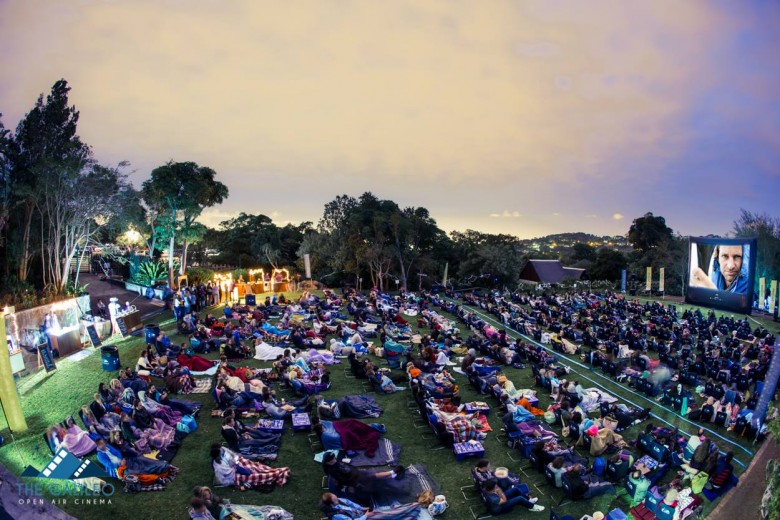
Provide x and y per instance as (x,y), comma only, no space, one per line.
(721,273)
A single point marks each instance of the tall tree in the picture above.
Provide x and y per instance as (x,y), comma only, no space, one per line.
(45,143)
(648,231)
(5,174)
(583,251)
(181,191)
(75,205)
(487,257)
(415,234)
(767,230)
(608,265)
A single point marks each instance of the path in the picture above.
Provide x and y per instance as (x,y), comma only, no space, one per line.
(103,290)
(15,506)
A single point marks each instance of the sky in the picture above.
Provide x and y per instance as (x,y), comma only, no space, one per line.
(519,117)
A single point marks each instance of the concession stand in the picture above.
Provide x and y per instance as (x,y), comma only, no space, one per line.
(280,280)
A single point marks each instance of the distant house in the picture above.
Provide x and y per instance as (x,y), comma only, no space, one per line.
(550,271)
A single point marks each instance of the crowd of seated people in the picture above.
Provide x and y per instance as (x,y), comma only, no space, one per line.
(672,357)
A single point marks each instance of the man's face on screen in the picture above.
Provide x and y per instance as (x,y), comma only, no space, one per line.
(730,261)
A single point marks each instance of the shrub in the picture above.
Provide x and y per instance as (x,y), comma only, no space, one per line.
(197,275)
(150,273)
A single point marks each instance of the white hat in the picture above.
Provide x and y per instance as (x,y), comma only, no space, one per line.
(598,515)
(440,499)
(113,299)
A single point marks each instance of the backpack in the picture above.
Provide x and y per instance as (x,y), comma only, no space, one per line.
(698,481)
(599,466)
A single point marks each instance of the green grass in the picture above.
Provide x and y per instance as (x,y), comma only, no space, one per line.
(46,399)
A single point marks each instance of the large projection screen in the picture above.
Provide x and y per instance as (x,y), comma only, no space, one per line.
(721,273)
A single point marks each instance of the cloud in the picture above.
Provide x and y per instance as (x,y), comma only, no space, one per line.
(583,103)
(507,214)
(212,217)
(537,49)
(618,216)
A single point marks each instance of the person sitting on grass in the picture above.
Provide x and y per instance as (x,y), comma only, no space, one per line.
(247,432)
(384,382)
(721,475)
(482,472)
(160,411)
(231,469)
(212,502)
(499,501)
(558,468)
(116,465)
(180,405)
(586,485)
(148,436)
(199,511)
(280,409)
(335,508)
(245,443)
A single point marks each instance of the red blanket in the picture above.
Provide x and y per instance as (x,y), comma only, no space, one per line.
(194,363)
(356,436)
(243,373)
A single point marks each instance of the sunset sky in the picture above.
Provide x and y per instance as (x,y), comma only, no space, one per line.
(517,117)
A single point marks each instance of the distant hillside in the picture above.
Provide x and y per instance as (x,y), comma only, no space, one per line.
(563,242)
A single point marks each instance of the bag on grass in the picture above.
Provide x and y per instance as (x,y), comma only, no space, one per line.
(549,417)
(698,481)
(189,422)
(599,466)
(438,506)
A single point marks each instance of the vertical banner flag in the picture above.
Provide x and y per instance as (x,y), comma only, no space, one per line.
(307,265)
(772,296)
(761,293)
(770,383)
(444,280)
(649,282)
(661,279)
(623,275)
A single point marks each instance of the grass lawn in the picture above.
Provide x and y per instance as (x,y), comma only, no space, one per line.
(47,399)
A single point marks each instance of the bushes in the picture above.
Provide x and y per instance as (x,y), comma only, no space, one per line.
(150,273)
(197,275)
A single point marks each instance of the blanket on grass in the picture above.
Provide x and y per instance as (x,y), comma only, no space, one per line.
(387,454)
(202,386)
(594,397)
(357,436)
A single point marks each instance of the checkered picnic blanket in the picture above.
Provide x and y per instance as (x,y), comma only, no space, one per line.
(461,429)
(261,475)
(202,386)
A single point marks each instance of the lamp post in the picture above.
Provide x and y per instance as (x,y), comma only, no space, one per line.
(397,281)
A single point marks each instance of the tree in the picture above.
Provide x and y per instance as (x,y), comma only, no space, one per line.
(767,230)
(44,144)
(648,231)
(583,251)
(5,174)
(415,234)
(180,192)
(608,265)
(75,205)
(487,257)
